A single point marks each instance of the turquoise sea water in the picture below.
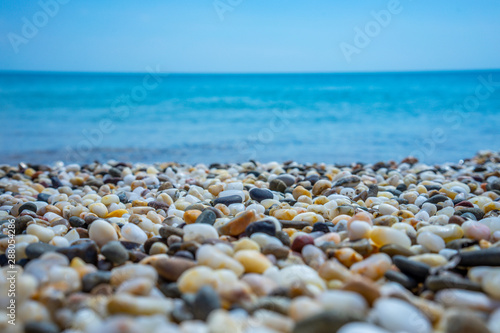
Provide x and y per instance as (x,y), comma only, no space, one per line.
(333,118)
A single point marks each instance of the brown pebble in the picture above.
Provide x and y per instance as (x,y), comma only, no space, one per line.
(363,286)
(238,225)
(171,268)
(455,219)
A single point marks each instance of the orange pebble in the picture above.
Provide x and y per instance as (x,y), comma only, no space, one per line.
(117,213)
(191,215)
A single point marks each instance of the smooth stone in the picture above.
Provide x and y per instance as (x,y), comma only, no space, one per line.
(476,230)
(205,301)
(364,287)
(238,225)
(76,222)
(259,194)
(397,315)
(209,255)
(199,232)
(27,206)
(459,244)
(300,241)
(287,179)
(207,216)
(40,327)
(292,274)
(264,226)
(44,234)
(102,232)
(385,235)
(417,270)
(278,185)
(477,212)
(127,272)
(166,231)
(115,252)
(459,321)
(35,250)
(172,268)
(349,181)
(43,197)
(361,328)
(431,241)
(133,233)
(373,267)
(465,299)
(436,283)
(395,249)
(486,257)
(402,279)
(91,280)
(196,277)
(326,322)
(253,261)
(436,199)
(341,300)
(139,305)
(228,200)
(21,223)
(87,251)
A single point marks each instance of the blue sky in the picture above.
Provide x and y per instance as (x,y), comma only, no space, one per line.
(253,36)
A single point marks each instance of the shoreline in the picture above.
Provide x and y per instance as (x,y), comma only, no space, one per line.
(252,247)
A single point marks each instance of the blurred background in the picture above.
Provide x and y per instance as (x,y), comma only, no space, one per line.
(233,80)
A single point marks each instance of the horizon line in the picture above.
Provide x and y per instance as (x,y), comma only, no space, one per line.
(17,71)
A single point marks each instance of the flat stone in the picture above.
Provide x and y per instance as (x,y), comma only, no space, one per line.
(87,251)
(326,322)
(27,206)
(166,231)
(395,249)
(171,268)
(35,250)
(436,199)
(417,270)
(349,181)
(91,280)
(289,180)
(486,257)
(21,223)
(464,322)
(267,227)
(277,185)
(40,327)
(43,197)
(76,222)
(238,225)
(259,194)
(436,283)
(115,252)
(227,200)
(477,212)
(207,216)
(205,301)
(402,279)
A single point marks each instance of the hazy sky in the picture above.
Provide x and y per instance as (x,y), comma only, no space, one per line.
(249,35)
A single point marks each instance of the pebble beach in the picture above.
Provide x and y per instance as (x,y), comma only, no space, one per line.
(251,247)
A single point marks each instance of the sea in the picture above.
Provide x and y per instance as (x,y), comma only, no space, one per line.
(343,118)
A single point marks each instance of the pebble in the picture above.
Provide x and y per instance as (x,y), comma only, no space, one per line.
(205,301)
(486,257)
(373,267)
(430,241)
(264,226)
(229,199)
(207,216)
(102,232)
(115,252)
(416,270)
(199,232)
(133,233)
(259,194)
(384,235)
(35,250)
(253,261)
(326,322)
(396,315)
(238,225)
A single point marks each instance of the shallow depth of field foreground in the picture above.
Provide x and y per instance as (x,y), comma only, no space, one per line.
(252,247)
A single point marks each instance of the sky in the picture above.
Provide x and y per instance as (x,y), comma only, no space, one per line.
(249,36)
